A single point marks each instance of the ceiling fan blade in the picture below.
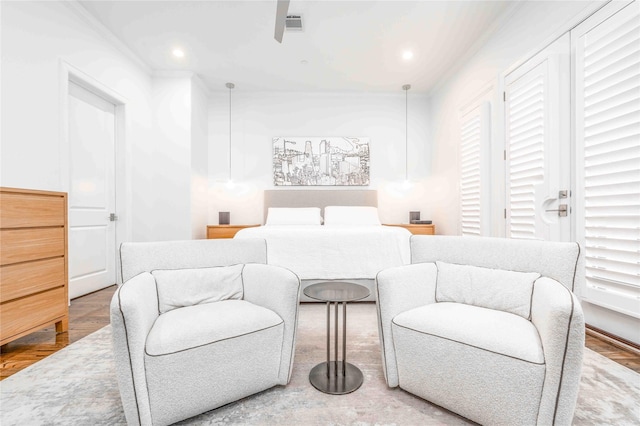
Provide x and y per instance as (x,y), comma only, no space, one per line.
(281,17)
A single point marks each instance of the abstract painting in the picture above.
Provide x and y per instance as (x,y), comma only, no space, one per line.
(320,161)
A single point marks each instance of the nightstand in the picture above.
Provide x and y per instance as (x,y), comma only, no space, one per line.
(416,229)
(225,231)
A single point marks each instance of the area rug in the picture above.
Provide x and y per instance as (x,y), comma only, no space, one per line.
(77,386)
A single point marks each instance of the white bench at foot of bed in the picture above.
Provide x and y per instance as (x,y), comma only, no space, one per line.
(322,253)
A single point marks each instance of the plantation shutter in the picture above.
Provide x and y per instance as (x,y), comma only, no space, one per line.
(470,175)
(525,152)
(608,144)
(475,140)
(537,145)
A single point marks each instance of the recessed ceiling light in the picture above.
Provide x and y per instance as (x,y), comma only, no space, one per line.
(178,53)
(407,54)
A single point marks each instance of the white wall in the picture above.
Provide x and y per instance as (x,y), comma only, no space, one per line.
(164,119)
(171,215)
(181,157)
(257,117)
(523,32)
(36,37)
(199,159)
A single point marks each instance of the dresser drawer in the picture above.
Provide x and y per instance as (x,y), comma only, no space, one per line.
(21,315)
(21,245)
(28,210)
(23,279)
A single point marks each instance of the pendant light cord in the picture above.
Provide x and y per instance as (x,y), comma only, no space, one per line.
(229,133)
(406,88)
(230,86)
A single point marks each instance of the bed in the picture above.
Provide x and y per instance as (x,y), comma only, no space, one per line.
(351,246)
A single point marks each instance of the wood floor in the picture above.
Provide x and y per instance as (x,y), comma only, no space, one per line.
(86,314)
(91,312)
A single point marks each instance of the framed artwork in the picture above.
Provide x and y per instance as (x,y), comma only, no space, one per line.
(320,161)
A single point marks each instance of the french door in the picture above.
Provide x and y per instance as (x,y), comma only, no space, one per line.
(607,128)
(537,130)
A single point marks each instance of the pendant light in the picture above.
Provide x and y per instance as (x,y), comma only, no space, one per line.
(406,88)
(230,86)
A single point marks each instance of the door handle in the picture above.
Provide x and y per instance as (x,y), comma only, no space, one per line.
(563,210)
(113,217)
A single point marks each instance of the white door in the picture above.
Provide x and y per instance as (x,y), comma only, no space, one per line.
(537,130)
(607,127)
(91,192)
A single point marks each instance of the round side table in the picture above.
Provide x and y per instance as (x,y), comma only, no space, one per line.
(336,377)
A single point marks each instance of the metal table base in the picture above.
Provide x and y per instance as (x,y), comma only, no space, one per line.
(336,384)
(336,377)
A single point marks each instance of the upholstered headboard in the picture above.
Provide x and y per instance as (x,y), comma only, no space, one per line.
(319,198)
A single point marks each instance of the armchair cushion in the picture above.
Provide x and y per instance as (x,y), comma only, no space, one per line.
(178,288)
(487,387)
(188,382)
(494,331)
(199,325)
(498,289)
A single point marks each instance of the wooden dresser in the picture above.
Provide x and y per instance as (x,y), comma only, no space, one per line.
(416,229)
(33,262)
(225,231)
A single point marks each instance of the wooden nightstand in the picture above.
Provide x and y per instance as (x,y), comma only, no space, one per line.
(225,231)
(416,229)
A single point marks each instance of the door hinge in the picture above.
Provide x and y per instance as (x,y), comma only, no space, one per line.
(505,155)
(113,217)
(505,213)
(504,96)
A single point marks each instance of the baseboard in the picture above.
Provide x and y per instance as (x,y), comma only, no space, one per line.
(616,341)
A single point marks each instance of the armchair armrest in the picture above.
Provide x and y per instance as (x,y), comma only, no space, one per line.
(400,289)
(134,309)
(557,315)
(278,289)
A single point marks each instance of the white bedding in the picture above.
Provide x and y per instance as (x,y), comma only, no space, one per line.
(323,252)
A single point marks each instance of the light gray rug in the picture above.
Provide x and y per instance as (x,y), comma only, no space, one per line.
(77,386)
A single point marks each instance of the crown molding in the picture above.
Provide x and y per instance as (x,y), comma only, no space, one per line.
(173,74)
(195,78)
(198,81)
(106,33)
(477,45)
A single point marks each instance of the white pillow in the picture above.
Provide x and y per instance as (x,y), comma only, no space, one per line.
(294,216)
(351,216)
(498,289)
(178,288)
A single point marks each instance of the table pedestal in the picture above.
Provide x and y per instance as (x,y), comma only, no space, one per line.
(336,384)
(336,377)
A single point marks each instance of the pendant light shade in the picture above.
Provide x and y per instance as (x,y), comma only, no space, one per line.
(406,88)
(230,86)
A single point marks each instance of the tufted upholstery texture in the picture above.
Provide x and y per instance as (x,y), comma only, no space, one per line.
(485,327)
(187,322)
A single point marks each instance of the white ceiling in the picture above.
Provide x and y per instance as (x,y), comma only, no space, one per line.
(348,45)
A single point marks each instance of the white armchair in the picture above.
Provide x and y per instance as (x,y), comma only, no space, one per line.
(199,324)
(485,327)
